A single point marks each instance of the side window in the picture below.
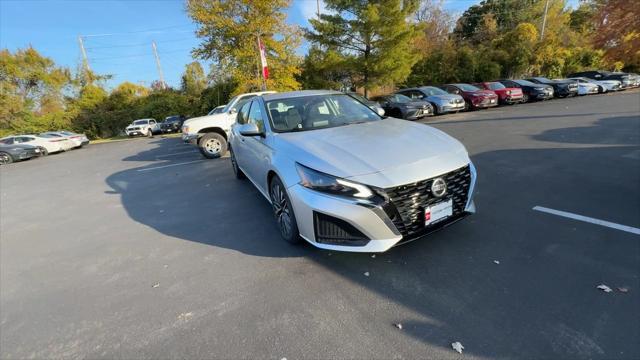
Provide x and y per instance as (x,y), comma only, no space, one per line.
(22,139)
(414,94)
(255,115)
(241,118)
(8,141)
(242,101)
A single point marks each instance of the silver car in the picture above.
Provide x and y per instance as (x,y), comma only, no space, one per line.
(442,101)
(342,177)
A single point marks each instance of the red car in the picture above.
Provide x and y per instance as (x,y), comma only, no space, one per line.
(506,95)
(474,98)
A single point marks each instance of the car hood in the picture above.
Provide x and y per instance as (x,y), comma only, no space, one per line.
(382,153)
(482,92)
(204,119)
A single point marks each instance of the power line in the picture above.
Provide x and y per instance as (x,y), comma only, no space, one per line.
(149,31)
(135,45)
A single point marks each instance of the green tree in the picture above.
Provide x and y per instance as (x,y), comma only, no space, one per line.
(193,80)
(229,31)
(325,69)
(375,38)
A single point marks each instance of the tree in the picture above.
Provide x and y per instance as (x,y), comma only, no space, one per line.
(193,80)
(325,70)
(436,25)
(229,31)
(375,38)
(519,44)
(617,31)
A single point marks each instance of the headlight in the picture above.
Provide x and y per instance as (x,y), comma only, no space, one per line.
(322,182)
(185,129)
(508,92)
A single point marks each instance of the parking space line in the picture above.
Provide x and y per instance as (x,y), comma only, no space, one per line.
(170,165)
(180,153)
(588,219)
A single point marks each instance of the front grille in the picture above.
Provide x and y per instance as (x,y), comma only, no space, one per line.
(134,128)
(459,101)
(334,231)
(407,203)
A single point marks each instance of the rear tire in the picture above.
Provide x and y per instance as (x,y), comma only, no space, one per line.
(236,170)
(5,158)
(283,211)
(212,145)
(525,98)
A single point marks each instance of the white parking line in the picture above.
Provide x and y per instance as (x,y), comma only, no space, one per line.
(180,153)
(170,165)
(588,219)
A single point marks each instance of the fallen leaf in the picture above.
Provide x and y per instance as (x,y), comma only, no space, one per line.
(604,288)
(166,266)
(398,325)
(156,285)
(161,211)
(457,347)
(366,273)
(185,316)
(623,289)
(373,256)
(496,262)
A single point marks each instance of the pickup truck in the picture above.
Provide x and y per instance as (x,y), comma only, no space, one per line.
(210,133)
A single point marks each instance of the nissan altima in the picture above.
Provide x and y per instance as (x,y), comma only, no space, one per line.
(342,177)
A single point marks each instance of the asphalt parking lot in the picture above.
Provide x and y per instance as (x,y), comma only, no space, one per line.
(143,249)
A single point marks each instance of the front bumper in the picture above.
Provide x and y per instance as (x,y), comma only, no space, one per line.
(414,114)
(190,138)
(448,107)
(368,219)
(485,102)
(513,99)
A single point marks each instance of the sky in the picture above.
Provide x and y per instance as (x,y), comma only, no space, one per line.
(117,35)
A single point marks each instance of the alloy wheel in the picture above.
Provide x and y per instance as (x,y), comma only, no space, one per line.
(281,210)
(5,158)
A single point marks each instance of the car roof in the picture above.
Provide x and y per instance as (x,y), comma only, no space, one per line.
(300,93)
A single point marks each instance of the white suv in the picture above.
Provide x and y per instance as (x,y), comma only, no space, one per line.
(145,127)
(210,132)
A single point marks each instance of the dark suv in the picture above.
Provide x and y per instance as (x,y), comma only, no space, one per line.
(172,124)
(624,78)
(561,88)
(530,91)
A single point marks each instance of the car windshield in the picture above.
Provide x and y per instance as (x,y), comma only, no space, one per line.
(49,135)
(467,87)
(172,118)
(430,91)
(217,110)
(67,133)
(317,112)
(140,122)
(238,105)
(399,98)
(525,83)
(543,80)
(496,86)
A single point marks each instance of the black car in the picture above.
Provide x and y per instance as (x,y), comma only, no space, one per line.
(404,107)
(561,88)
(17,152)
(624,78)
(172,124)
(530,91)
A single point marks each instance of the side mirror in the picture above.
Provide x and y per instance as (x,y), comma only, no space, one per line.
(250,130)
(380,111)
(233,111)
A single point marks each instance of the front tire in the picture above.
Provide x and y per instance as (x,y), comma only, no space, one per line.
(236,170)
(149,133)
(525,98)
(5,158)
(212,145)
(43,151)
(283,211)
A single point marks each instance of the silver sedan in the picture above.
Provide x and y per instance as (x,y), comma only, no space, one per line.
(342,177)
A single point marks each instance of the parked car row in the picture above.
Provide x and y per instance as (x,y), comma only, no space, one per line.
(419,102)
(24,147)
(150,127)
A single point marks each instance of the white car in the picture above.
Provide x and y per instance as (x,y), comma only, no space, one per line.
(46,145)
(217,110)
(210,133)
(64,141)
(143,127)
(603,85)
(78,140)
(342,177)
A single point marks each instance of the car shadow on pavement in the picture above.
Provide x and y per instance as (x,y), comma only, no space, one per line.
(504,282)
(619,130)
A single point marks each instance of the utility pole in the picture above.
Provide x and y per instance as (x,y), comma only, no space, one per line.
(318,8)
(85,61)
(544,19)
(155,53)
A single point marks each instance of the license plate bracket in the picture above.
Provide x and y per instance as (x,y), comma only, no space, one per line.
(438,212)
